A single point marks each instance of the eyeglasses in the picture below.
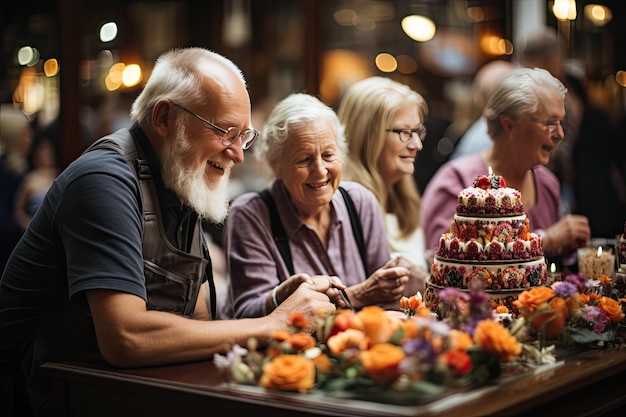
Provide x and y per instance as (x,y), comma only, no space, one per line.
(407,134)
(552,126)
(230,135)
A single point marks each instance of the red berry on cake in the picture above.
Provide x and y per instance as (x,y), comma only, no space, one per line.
(482,182)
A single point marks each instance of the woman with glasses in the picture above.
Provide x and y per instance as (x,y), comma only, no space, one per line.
(524,117)
(384,122)
(303,225)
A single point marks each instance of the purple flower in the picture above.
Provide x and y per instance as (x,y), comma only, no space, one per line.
(565,289)
(450,296)
(595,318)
(579,280)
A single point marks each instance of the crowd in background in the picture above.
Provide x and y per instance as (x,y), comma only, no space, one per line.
(590,163)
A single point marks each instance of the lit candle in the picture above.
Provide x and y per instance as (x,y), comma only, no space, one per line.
(554,276)
(596,263)
(490,171)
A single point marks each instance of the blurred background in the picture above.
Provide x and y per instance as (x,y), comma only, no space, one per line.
(74,67)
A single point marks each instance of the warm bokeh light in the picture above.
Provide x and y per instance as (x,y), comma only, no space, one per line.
(620,78)
(340,69)
(115,73)
(108,32)
(598,15)
(27,56)
(495,45)
(419,28)
(132,75)
(364,23)
(345,17)
(51,67)
(564,9)
(111,83)
(476,14)
(406,64)
(386,62)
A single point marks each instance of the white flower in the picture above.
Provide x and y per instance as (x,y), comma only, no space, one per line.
(221,361)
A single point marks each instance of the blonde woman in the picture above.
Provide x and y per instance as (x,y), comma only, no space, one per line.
(384,127)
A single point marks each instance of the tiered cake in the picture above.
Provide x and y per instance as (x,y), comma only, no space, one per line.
(490,241)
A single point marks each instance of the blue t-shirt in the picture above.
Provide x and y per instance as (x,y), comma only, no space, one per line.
(86,235)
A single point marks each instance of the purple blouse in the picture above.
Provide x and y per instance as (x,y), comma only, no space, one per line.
(256,266)
(440,197)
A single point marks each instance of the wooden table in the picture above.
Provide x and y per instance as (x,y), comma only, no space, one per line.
(592,383)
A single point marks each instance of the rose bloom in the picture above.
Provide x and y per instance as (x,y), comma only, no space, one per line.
(381,362)
(343,320)
(301,341)
(459,360)
(281,335)
(348,339)
(289,373)
(494,338)
(298,321)
(552,320)
(529,301)
(460,340)
(612,308)
(322,363)
(378,326)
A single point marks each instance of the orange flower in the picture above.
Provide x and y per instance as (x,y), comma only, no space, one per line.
(529,301)
(460,340)
(501,309)
(281,335)
(459,360)
(322,363)
(494,338)
(559,311)
(604,279)
(301,341)
(289,373)
(413,303)
(381,362)
(378,326)
(299,321)
(343,320)
(612,308)
(348,339)
(409,329)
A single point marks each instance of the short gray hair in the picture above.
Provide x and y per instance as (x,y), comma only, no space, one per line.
(292,112)
(177,75)
(517,94)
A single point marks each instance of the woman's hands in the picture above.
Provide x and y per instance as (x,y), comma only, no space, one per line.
(417,276)
(332,286)
(566,235)
(385,286)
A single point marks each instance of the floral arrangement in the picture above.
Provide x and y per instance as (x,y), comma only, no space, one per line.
(575,310)
(415,357)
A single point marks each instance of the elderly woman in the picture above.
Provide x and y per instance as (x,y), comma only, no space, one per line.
(381,156)
(324,232)
(524,118)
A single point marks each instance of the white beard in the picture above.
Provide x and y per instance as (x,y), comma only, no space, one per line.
(210,201)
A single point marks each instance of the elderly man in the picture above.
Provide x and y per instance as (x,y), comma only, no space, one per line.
(113,266)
